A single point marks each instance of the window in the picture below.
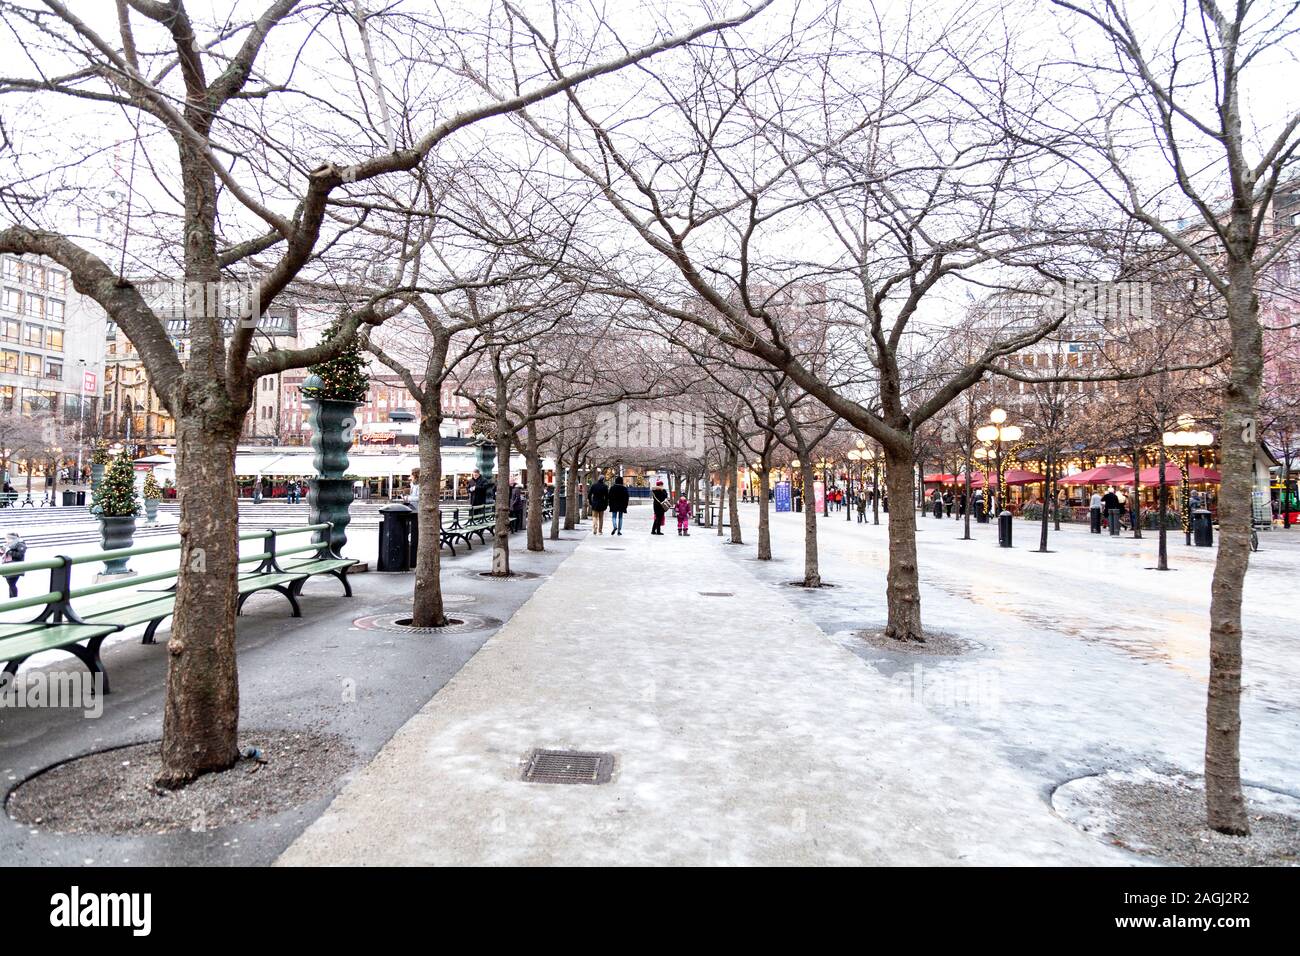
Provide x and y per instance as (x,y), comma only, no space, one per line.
(54,340)
(36,275)
(9,330)
(13,301)
(53,369)
(35,306)
(31,364)
(54,310)
(33,335)
(13,270)
(8,361)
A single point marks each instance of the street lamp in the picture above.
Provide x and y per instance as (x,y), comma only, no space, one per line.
(855,457)
(824,464)
(1188,441)
(995,434)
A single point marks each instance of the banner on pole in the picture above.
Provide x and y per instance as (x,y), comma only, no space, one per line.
(781,495)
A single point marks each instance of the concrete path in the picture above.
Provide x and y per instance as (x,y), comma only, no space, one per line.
(743,735)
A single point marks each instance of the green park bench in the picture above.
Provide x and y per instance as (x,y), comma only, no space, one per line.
(479,520)
(61,626)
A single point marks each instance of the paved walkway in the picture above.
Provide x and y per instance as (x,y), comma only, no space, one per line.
(743,735)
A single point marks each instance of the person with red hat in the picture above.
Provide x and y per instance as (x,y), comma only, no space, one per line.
(659,498)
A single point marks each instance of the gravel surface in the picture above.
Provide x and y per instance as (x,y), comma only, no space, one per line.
(1162,815)
(936,645)
(112,791)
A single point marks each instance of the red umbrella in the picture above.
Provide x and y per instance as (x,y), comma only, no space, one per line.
(1151,476)
(940,479)
(1101,475)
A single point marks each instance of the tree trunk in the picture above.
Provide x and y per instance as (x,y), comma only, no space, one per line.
(812,576)
(764,519)
(571,491)
(536,489)
(1225,804)
(427,609)
(1047,505)
(1136,510)
(903,589)
(733,465)
(1162,563)
(501,530)
(555,492)
(201,708)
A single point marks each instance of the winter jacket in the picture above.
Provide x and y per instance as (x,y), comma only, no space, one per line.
(660,497)
(598,495)
(15,553)
(683,509)
(478,491)
(618,498)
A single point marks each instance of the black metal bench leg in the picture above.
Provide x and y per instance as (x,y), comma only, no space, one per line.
(89,655)
(343,579)
(150,631)
(293,598)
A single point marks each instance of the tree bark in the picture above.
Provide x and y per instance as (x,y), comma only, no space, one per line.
(812,576)
(903,588)
(501,529)
(764,517)
(733,465)
(571,491)
(201,704)
(427,608)
(1048,505)
(1225,803)
(536,488)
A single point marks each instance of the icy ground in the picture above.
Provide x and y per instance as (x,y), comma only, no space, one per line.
(745,734)
(1091,661)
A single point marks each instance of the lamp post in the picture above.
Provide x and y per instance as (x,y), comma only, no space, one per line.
(995,434)
(1187,441)
(796,467)
(855,457)
(824,464)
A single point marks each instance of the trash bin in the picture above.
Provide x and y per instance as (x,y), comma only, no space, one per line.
(1112,521)
(938,508)
(1094,515)
(1202,528)
(81,498)
(395,526)
(69,499)
(1004,529)
(564,505)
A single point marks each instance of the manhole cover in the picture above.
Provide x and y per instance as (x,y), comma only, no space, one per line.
(394,622)
(716,594)
(514,575)
(568,766)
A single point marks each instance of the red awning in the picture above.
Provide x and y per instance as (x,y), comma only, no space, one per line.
(1102,475)
(1014,476)
(941,479)
(1151,476)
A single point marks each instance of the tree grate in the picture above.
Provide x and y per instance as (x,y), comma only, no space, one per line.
(568,766)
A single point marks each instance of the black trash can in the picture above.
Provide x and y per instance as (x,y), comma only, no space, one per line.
(395,532)
(563,505)
(980,516)
(938,508)
(69,499)
(1094,515)
(81,498)
(1202,528)
(1004,529)
(1112,521)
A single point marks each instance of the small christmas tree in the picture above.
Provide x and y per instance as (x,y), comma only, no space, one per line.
(343,378)
(152,490)
(115,497)
(99,454)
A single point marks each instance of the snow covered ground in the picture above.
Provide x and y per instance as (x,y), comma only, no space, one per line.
(1090,662)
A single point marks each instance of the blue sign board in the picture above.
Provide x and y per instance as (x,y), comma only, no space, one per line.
(781,495)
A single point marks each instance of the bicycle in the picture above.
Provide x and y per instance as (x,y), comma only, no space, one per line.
(1254,536)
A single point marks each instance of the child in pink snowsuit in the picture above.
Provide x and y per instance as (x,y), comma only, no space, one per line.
(683,509)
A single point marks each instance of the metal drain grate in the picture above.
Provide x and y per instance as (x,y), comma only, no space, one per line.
(716,594)
(568,766)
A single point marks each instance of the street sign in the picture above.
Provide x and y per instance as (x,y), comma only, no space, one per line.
(89,383)
(781,495)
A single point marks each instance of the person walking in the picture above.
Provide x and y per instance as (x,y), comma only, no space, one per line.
(1123,508)
(618,498)
(659,499)
(1110,504)
(683,509)
(478,490)
(14,552)
(516,507)
(1094,508)
(598,501)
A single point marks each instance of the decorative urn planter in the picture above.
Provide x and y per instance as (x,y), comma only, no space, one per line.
(96,475)
(485,459)
(151,510)
(116,532)
(329,496)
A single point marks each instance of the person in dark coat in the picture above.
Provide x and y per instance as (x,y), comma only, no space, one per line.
(598,501)
(15,550)
(478,490)
(617,505)
(659,499)
(517,504)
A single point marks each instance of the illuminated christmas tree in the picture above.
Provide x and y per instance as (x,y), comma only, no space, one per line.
(343,378)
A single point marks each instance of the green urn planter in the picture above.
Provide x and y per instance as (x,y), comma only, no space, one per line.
(115,533)
(96,476)
(151,510)
(329,497)
(485,459)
